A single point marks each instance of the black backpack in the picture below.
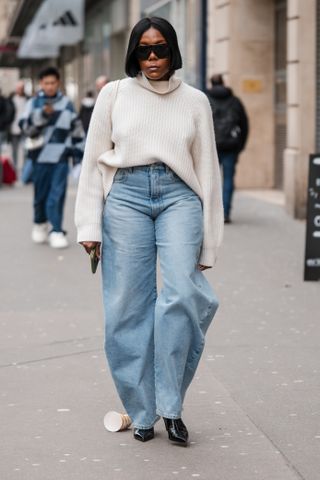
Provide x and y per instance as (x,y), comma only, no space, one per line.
(226,120)
(7,112)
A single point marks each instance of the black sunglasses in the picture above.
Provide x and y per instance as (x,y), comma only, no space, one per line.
(161,50)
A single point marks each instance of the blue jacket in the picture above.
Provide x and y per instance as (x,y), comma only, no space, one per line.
(62,131)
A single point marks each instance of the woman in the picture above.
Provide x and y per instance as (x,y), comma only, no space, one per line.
(150,153)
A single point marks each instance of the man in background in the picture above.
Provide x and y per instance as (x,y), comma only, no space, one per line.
(86,109)
(87,103)
(19,100)
(231,132)
(101,81)
(54,133)
(7,113)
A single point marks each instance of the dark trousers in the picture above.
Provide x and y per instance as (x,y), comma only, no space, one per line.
(50,184)
(2,139)
(228,161)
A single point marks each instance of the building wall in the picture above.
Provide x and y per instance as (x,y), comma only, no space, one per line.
(8,76)
(103,50)
(241,46)
(7,8)
(301,111)
(185,16)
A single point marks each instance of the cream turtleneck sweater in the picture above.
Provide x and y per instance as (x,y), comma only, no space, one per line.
(134,123)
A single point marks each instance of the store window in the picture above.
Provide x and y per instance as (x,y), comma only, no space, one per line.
(71,80)
(96,57)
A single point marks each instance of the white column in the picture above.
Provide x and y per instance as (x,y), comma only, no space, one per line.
(301,94)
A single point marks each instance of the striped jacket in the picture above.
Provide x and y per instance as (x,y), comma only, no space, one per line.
(62,131)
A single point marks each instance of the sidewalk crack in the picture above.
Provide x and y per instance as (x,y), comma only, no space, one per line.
(286,459)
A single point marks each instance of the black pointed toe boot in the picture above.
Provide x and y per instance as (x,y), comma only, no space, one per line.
(177,431)
(143,434)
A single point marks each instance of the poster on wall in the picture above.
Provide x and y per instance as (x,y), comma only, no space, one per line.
(312,249)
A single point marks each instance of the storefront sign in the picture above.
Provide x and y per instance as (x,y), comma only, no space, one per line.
(252,85)
(312,253)
(56,23)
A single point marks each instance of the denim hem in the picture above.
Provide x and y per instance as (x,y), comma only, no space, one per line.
(146,427)
(169,415)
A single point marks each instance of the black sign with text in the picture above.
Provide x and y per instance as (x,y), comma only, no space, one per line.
(312,255)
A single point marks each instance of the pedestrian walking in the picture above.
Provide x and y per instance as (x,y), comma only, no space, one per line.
(88,102)
(231,133)
(101,81)
(7,113)
(150,185)
(2,130)
(19,100)
(54,134)
(86,110)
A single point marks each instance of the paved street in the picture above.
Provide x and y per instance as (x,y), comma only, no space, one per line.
(253,410)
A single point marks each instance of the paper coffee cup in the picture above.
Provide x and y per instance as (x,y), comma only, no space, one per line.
(115,422)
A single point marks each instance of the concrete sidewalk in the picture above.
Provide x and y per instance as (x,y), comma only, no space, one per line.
(253,409)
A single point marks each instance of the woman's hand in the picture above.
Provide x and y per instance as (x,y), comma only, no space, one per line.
(88,246)
(202,267)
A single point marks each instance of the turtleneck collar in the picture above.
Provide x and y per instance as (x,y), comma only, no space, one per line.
(173,84)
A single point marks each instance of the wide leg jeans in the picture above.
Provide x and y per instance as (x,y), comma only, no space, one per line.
(153,341)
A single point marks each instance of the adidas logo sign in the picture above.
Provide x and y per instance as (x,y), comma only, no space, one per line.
(67,19)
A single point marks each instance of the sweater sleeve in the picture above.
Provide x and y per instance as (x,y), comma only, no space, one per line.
(207,169)
(89,202)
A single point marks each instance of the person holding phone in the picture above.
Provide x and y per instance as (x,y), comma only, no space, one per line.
(150,186)
(54,134)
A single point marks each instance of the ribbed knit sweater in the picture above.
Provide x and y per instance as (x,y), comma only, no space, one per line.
(133,124)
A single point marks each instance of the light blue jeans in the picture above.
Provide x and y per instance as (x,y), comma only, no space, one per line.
(154,341)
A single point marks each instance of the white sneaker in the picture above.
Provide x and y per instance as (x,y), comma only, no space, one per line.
(58,240)
(39,233)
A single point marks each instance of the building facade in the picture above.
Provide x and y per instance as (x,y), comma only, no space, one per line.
(102,51)
(186,16)
(8,76)
(267,51)
(107,28)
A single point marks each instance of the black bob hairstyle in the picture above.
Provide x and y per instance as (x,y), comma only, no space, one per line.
(48,72)
(132,67)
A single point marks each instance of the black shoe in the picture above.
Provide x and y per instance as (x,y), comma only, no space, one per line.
(143,434)
(177,431)
(227,220)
